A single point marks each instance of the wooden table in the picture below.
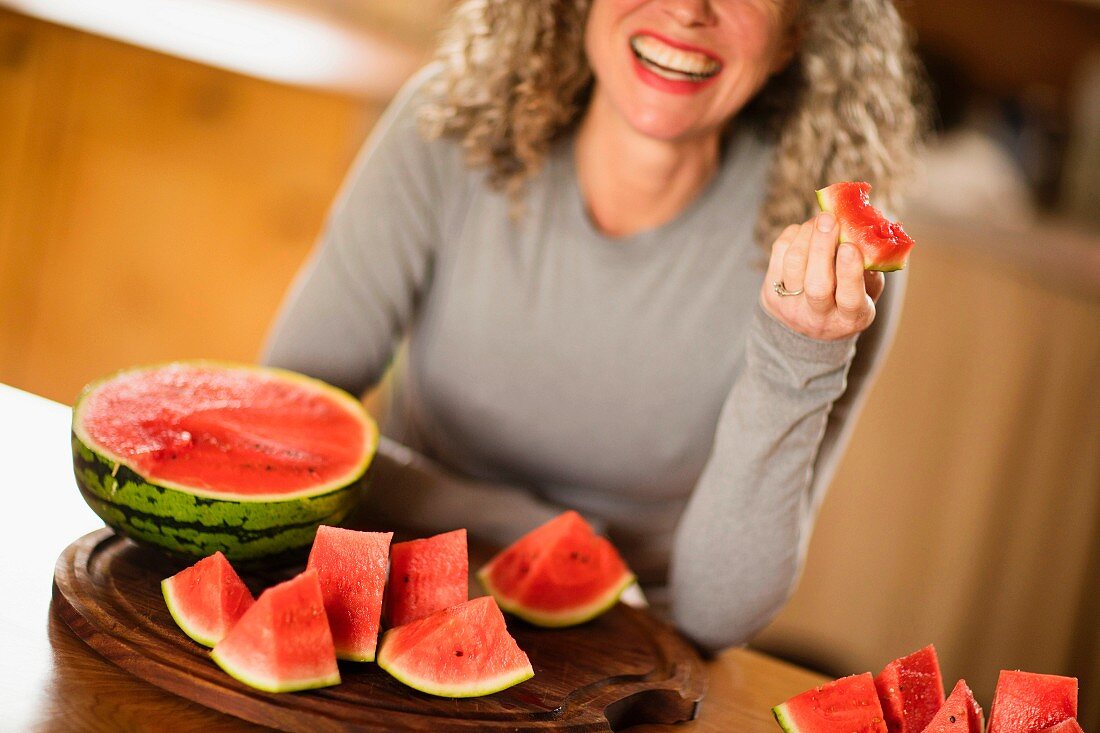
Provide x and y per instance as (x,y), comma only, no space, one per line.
(51,681)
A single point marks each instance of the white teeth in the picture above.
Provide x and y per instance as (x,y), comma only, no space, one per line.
(673,63)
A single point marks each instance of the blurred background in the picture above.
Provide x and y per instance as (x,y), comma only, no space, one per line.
(165,166)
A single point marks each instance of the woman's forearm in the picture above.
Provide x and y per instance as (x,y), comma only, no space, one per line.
(739,545)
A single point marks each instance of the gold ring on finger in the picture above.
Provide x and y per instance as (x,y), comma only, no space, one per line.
(781,289)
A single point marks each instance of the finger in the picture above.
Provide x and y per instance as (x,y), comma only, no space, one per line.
(779,249)
(821,275)
(875,282)
(794,261)
(851,294)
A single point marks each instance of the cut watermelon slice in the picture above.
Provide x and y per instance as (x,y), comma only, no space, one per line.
(426,576)
(847,705)
(959,714)
(283,642)
(206,599)
(884,244)
(1069,725)
(1025,702)
(461,651)
(351,566)
(559,574)
(911,691)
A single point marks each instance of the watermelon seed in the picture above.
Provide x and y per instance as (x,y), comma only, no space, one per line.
(951,718)
(406,579)
(458,653)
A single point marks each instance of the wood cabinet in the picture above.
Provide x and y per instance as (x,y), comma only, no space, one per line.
(150,208)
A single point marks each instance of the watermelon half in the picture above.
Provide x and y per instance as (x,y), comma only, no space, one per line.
(559,574)
(207,599)
(884,244)
(960,713)
(426,576)
(199,457)
(911,691)
(847,705)
(461,651)
(282,643)
(351,566)
(1025,702)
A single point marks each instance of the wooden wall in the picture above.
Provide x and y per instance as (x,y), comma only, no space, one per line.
(150,208)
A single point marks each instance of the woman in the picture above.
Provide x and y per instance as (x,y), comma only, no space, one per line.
(569,248)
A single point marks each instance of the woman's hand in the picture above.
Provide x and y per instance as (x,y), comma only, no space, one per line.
(838,297)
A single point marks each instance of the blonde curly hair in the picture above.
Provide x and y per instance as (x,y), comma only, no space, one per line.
(515,78)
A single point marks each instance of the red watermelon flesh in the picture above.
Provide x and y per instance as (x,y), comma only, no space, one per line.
(1069,725)
(884,244)
(207,599)
(959,714)
(228,431)
(559,574)
(426,576)
(1025,702)
(282,643)
(911,691)
(351,567)
(847,705)
(461,651)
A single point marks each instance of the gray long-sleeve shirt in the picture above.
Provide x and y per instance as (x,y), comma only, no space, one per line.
(635,379)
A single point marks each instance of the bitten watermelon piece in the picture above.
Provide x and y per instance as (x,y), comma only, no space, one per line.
(959,714)
(207,599)
(884,244)
(1069,725)
(559,574)
(351,567)
(426,576)
(911,691)
(847,705)
(1025,702)
(461,651)
(283,642)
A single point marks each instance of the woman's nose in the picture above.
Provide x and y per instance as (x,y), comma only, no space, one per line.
(690,13)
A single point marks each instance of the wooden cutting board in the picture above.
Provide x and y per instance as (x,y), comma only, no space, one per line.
(624,668)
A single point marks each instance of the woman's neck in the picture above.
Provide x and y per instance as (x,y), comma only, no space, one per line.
(632,182)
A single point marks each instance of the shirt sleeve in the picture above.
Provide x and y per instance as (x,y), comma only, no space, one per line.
(350,304)
(742,539)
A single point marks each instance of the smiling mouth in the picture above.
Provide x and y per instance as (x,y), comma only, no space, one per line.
(673,63)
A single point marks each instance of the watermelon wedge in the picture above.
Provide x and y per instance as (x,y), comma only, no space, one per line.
(559,574)
(959,714)
(461,651)
(282,643)
(1025,702)
(351,567)
(207,599)
(847,705)
(426,576)
(911,691)
(884,244)
(199,457)
(1069,725)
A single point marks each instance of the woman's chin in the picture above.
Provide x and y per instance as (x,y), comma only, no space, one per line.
(659,124)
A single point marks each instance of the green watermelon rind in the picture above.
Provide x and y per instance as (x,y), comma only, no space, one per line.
(561,618)
(479,688)
(825,203)
(783,718)
(193,523)
(268,685)
(180,618)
